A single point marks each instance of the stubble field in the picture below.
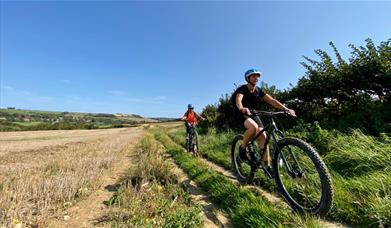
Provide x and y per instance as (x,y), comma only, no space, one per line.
(44,172)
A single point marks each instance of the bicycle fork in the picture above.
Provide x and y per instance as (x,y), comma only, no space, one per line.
(295,171)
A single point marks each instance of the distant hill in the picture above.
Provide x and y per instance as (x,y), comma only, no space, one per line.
(12,119)
(165,119)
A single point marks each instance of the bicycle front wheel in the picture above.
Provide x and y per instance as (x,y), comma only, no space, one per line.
(194,145)
(302,177)
(188,140)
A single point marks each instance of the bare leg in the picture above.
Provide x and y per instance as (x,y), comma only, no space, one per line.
(262,139)
(251,127)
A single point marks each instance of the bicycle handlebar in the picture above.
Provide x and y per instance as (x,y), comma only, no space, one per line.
(266,113)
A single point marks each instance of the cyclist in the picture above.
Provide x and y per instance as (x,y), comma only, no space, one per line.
(190,117)
(248,97)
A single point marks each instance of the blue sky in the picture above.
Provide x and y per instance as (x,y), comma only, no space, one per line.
(154,57)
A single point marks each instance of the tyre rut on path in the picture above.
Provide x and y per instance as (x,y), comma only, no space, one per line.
(212,217)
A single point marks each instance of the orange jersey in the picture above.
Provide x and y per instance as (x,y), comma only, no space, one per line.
(191,117)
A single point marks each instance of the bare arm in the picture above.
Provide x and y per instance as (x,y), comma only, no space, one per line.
(244,110)
(276,104)
(200,117)
(184,116)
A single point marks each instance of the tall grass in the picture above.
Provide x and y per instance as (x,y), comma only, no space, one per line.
(362,174)
(360,167)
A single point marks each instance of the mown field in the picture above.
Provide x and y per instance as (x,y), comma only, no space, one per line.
(44,172)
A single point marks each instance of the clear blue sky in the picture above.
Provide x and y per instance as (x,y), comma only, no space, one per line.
(153,58)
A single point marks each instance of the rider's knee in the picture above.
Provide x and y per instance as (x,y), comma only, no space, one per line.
(252,129)
(263,135)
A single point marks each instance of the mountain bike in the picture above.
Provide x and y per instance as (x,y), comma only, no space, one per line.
(192,140)
(301,176)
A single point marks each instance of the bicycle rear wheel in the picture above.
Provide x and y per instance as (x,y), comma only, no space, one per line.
(245,170)
(302,177)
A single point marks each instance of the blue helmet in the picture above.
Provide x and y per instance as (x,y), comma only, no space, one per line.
(190,106)
(251,72)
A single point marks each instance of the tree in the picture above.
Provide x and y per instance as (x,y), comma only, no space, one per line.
(340,94)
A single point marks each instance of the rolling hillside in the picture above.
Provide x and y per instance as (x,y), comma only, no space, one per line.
(18,119)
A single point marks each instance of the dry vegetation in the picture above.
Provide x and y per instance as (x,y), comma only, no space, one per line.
(42,172)
(151,194)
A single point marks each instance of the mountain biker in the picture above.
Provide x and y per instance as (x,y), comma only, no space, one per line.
(190,117)
(248,97)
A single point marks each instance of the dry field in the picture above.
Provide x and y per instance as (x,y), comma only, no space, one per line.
(43,172)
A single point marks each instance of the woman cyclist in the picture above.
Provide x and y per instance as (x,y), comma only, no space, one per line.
(191,118)
(248,97)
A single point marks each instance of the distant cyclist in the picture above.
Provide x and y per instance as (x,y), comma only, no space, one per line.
(191,118)
(248,97)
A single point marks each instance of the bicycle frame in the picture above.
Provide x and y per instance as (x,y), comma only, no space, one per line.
(271,128)
(192,130)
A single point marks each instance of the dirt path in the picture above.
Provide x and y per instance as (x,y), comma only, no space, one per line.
(212,216)
(85,213)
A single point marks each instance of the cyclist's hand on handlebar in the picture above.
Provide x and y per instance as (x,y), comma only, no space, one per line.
(291,112)
(246,111)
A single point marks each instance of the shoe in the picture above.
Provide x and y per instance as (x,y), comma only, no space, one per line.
(243,154)
(268,169)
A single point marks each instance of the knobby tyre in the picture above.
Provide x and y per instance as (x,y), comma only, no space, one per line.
(308,188)
(245,170)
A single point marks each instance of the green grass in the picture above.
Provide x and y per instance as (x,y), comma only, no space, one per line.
(28,124)
(246,208)
(360,167)
(27,112)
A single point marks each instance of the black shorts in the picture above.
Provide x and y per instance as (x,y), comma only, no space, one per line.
(241,118)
